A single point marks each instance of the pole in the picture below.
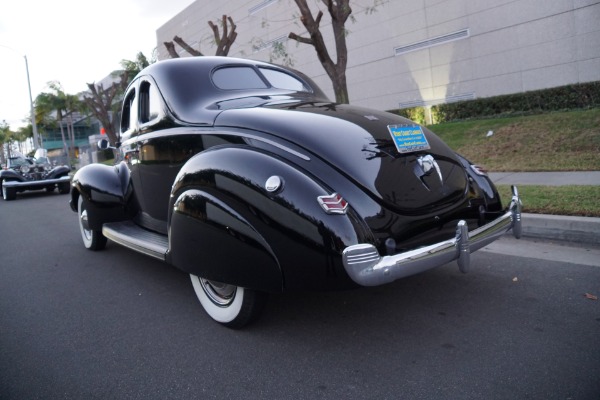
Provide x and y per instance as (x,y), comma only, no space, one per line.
(36,140)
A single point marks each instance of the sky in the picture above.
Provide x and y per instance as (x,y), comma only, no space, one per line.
(73,42)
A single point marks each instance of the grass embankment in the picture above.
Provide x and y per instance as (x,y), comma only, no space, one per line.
(560,141)
(557,200)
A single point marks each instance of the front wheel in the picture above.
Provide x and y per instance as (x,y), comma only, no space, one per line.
(9,193)
(92,240)
(229,305)
(64,187)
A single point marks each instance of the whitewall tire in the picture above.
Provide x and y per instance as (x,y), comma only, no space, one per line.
(229,305)
(92,240)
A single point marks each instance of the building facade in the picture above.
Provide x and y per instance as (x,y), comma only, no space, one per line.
(406,53)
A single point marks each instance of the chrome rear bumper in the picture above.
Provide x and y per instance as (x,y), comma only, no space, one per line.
(366,267)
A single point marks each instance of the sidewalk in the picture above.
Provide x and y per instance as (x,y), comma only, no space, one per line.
(546,178)
(583,230)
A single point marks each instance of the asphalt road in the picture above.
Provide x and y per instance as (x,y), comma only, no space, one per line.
(75,324)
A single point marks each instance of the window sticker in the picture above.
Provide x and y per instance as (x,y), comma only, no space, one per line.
(408,138)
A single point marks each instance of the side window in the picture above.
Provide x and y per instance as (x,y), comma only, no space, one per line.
(129,113)
(149,102)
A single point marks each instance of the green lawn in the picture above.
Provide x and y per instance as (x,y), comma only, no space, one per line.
(558,200)
(559,141)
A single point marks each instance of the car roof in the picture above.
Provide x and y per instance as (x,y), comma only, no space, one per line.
(190,94)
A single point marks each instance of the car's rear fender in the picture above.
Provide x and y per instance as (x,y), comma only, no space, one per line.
(228,224)
(106,191)
(483,188)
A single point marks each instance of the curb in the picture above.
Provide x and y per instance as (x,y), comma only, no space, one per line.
(583,230)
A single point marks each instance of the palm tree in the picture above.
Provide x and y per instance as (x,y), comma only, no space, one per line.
(5,137)
(133,67)
(63,105)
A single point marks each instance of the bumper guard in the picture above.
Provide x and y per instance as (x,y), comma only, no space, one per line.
(367,268)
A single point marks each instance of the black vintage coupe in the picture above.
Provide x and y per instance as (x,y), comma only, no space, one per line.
(244,175)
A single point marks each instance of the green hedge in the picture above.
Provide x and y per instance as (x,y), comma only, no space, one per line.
(570,97)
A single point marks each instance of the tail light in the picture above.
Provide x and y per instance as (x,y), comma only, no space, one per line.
(333,204)
(479,169)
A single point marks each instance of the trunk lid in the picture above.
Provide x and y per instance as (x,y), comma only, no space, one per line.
(412,172)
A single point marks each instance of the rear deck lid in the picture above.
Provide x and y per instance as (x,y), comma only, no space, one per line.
(402,164)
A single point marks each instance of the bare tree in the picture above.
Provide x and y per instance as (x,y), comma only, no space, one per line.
(339,10)
(223,40)
(104,103)
(101,103)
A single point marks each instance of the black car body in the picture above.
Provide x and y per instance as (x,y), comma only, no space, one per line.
(23,173)
(246,176)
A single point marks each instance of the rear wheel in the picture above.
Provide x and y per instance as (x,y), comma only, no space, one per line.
(229,305)
(92,239)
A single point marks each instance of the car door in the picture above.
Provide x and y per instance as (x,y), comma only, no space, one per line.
(157,154)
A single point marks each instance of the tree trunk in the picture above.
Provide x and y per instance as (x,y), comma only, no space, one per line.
(339,12)
(62,134)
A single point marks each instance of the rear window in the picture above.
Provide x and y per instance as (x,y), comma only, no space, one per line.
(238,78)
(232,78)
(281,80)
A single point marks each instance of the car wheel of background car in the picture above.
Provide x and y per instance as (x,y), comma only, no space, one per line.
(64,187)
(50,189)
(230,305)
(9,193)
(92,240)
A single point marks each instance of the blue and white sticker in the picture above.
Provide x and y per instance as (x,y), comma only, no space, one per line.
(408,138)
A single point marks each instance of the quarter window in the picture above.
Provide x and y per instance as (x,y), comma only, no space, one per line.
(149,102)
(129,114)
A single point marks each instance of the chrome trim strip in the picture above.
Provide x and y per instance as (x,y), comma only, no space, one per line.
(366,267)
(279,146)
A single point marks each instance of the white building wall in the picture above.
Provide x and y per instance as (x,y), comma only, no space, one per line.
(507,46)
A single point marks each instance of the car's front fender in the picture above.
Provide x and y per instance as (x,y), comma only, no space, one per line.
(59,171)
(106,191)
(228,226)
(9,174)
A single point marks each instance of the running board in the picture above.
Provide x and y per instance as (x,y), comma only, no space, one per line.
(130,235)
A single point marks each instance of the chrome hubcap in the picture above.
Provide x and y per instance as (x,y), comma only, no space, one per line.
(219,293)
(85,228)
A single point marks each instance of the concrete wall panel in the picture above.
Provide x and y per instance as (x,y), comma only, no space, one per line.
(512,46)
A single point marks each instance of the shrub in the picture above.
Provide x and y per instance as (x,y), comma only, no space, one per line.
(570,97)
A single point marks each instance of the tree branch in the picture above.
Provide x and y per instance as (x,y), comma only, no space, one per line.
(187,47)
(226,39)
(300,39)
(171,49)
